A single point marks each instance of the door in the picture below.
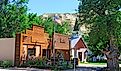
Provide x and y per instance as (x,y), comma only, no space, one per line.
(80,56)
(48,53)
(66,54)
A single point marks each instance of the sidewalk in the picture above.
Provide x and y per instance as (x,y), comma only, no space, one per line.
(34,69)
(93,65)
(24,69)
(81,67)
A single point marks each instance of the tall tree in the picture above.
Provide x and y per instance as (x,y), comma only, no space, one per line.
(104,19)
(12,14)
(14,17)
(49,24)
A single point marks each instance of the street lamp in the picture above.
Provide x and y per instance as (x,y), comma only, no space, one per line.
(53,43)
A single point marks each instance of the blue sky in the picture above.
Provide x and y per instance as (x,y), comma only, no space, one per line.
(52,6)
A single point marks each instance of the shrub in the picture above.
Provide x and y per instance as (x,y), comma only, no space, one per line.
(39,62)
(70,65)
(30,62)
(35,63)
(44,61)
(0,63)
(6,63)
(64,65)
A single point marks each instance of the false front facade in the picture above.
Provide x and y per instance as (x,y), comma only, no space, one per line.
(32,43)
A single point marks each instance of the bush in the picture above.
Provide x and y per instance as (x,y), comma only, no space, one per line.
(47,64)
(6,63)
(101,61)
(70,65)
(0,63)
(64,65)
(39,62)
(35,63)
(30,62)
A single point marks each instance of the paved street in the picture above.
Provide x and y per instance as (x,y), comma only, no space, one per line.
(81,67)
(33,69)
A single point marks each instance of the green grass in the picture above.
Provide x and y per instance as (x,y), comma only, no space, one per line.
(93,63)
(96,63)
(119,62)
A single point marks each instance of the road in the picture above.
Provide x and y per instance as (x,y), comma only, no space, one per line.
(80,67)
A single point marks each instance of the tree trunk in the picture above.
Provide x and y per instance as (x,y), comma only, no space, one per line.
(112,58)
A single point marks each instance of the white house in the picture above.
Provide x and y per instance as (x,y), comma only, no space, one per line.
(78,45)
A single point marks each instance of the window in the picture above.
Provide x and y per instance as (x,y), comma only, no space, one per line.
(24,38)
(62,40)
(32,51)
(44,52)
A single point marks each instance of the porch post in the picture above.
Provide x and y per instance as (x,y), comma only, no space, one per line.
(47,53)
(82,56)
(41,52)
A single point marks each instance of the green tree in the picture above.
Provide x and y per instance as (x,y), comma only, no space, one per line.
(104,19)
(30,19)
(14,18)
(49,25)
(63,28)
(12,15)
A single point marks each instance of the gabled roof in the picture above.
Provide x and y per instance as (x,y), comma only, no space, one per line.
(77,42)
(74,40)
(80,44)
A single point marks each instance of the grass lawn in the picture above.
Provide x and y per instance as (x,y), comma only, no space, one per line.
(96,63)
(93,63)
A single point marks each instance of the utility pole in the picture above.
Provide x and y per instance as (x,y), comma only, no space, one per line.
(53,38)
(57,21)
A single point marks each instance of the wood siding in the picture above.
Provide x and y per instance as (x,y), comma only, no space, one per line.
(32,38)
(61,41)
(17,49)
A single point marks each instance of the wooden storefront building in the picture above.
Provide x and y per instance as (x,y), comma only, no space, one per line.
(34,42)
